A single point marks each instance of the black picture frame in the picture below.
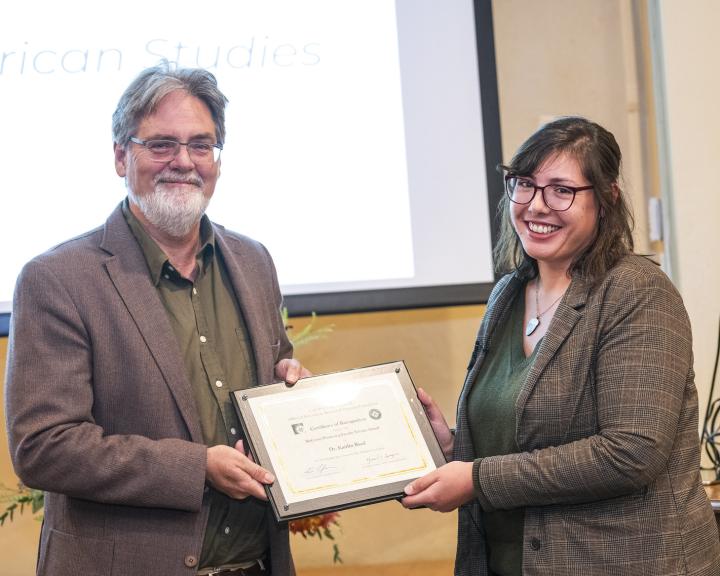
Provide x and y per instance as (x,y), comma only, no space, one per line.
(266,449)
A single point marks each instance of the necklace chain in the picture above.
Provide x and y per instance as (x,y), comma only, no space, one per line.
(538,314)
(534,322)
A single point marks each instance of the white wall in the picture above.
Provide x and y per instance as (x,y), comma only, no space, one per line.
(689,116)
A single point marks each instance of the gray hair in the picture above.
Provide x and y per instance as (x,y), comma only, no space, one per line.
(142,97)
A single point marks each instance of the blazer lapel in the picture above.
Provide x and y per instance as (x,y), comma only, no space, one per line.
(252,310)
(566,316)
(494,313)
(128,271)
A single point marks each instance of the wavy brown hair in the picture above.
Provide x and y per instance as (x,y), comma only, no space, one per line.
(599,157)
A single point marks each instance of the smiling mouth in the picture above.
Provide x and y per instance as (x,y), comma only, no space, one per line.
(174,178)
(542,228)
(190,182)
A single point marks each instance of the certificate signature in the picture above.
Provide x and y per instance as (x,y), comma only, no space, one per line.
(319,470)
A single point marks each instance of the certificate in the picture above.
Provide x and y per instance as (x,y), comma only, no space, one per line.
(339,440)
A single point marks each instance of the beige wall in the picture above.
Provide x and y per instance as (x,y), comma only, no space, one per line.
(691,113)
(595,60)
(572,57)
(435,344)
(18,540)
(578,58)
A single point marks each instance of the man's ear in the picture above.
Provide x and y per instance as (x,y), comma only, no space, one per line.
(120,159)
(615,191)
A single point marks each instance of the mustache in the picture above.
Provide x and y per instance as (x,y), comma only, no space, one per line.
(174,177)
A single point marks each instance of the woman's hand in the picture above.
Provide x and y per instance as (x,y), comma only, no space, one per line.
(443,490)
(438,423)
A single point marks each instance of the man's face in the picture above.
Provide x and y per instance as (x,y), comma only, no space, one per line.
(171,195)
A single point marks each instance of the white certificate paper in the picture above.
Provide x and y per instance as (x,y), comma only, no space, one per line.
(339,440)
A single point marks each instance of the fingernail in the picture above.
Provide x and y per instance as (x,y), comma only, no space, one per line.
(409,489)
(269,478)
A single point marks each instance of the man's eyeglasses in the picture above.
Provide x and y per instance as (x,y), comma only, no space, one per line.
(165,150)
(557,197)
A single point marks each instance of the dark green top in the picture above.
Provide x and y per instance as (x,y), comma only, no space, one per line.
(208,325)
(491,416)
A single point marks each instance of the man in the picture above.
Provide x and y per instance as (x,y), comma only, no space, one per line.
(125,345)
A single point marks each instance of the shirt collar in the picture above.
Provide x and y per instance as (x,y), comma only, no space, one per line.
(156,259)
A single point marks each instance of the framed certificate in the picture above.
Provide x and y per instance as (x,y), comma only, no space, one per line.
(339,440)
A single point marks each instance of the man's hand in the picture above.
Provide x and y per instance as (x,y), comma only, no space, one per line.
(290,370)
(231,472)
(443,490)
(438,423)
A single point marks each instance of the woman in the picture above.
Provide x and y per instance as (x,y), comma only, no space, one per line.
(576,450)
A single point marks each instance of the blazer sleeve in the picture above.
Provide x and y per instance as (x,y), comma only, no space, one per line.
(55,442)
(640,370)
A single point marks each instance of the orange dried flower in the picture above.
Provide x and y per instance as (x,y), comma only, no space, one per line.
(318,526)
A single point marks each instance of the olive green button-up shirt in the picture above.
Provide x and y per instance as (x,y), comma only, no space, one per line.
(214,344)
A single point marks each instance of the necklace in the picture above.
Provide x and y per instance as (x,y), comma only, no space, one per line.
(534,322)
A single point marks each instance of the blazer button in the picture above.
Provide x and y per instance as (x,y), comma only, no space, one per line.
(535,544)
(191,561)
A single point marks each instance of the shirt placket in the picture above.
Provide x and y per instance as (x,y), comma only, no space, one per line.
(216,378)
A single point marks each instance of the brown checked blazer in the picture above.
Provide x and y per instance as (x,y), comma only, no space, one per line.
(607,425)
(100,411)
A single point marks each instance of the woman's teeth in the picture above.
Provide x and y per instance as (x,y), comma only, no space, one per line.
(542,228)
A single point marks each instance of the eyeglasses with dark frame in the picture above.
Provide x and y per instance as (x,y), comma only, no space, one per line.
(165,150)
(558,197)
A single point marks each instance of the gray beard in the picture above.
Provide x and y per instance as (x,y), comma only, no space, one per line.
(173,213)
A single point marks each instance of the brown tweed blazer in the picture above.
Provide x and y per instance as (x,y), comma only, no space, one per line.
(607,425)
(100,412)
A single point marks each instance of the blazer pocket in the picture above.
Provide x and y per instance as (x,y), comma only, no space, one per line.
(275,350)
(70,555)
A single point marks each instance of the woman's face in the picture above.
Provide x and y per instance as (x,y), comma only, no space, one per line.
(552,238)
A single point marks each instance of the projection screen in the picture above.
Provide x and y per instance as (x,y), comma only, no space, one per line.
(362,136)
